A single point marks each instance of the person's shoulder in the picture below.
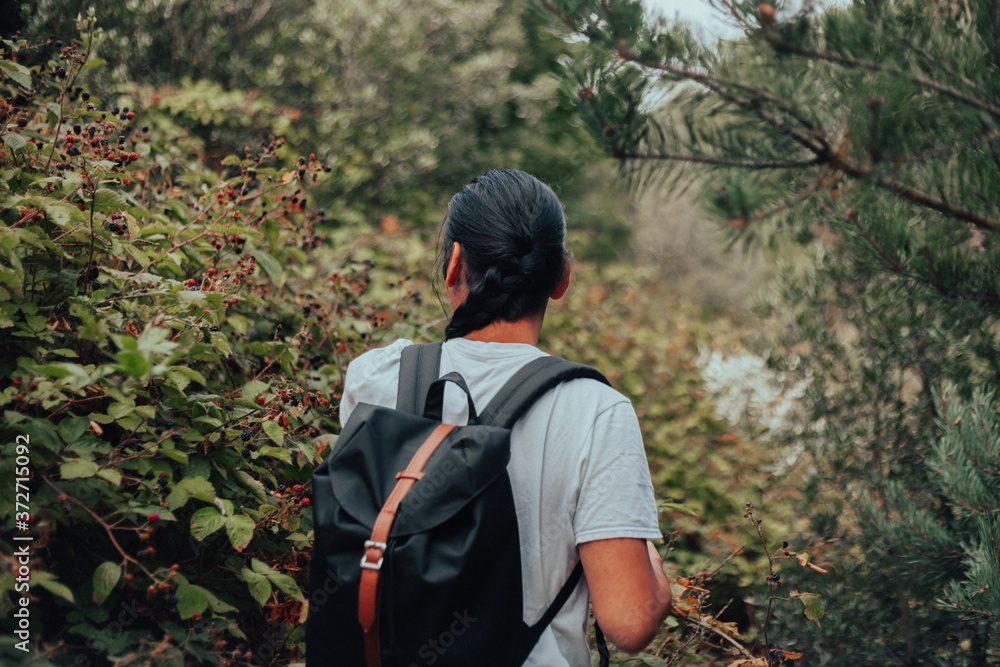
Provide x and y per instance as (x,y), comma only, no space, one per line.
(379,357)
(588,390)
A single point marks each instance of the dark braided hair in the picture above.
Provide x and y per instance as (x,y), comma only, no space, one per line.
(512,231)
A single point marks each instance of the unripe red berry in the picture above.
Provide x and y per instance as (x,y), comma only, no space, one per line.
(154,517)
(306,502)
(190,282)
(260,400)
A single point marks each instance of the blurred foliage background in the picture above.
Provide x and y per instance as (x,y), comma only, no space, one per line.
(210,207)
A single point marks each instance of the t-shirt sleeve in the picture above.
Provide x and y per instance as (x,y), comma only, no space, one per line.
(616,495)
(372,378)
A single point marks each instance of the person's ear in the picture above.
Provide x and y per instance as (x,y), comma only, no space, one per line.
(453,274)
(563,285)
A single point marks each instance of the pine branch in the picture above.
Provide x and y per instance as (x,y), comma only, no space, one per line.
(850,61)
(894,265)
(719,161)
(986,138)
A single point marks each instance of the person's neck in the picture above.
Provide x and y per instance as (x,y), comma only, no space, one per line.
(526,331)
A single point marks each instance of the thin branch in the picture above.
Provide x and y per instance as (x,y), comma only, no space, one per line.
(919,79)
(894,265)
(720,161)
(797,199)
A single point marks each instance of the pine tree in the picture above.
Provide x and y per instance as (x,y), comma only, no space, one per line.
(870,137)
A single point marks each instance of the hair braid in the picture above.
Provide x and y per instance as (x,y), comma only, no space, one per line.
(512,229)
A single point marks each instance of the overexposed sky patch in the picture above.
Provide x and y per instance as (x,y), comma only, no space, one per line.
(704,17)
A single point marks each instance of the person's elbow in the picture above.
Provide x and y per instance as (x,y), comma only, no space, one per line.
(630,594)
(633,631)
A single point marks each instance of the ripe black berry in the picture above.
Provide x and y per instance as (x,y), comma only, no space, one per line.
(213,328)
(77,129)
(113,227)
(148,475)
(246,434)
(85,95)
(22,121)
(141,555)
(168,422)
(73,151)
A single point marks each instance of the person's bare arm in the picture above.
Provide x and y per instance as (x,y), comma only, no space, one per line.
(629,592)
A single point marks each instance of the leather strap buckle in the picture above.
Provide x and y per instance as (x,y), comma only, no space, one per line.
(367,564)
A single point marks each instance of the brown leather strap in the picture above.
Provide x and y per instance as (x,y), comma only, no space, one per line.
(371,562)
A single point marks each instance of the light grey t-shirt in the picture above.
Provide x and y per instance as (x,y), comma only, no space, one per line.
(578,472)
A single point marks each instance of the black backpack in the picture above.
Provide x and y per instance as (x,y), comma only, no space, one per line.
(415,530)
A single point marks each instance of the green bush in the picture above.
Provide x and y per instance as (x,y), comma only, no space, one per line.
(174,339)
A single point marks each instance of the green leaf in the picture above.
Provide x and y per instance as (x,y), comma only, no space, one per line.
(112,476)
(240,530)
(105,577)
(133,364)
(270,266)
(47,580)
(274,432)
(191,600)
(260,587)
(108,201)
(206,521)
(92,63)
(77,468)
(191,487)
(282,581)
(253,389)
(16,71)
(14,141)
(277,452)
(813,607)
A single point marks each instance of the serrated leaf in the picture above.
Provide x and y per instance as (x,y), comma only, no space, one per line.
(105,577)
(287,585)
(113,477)
(260,587)
(48,581)
(191,600)
(275,433)
(139,256)
(206,521)
(253,389)
(270,266)
(813,607)
(278,453)
(108,201)
(77,468)
(240,530)
(191,487)
(14,141)
(16,71)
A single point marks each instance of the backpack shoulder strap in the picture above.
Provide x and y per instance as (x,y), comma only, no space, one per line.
(419,366)
(529,384)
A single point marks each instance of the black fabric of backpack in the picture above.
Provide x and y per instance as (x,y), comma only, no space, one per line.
(451,572)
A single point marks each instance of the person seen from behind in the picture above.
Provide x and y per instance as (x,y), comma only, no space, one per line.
(578,468)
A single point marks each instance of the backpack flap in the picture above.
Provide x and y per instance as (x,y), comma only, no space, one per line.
(378,442)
